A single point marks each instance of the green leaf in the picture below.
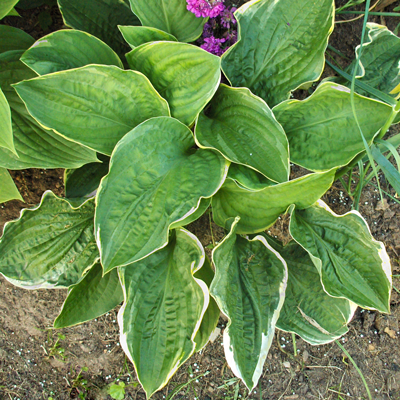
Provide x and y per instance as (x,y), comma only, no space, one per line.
(248,178)
(6,135)
(211,316)
(185,75)
(249,287)
(280,46)
(258,210)
(202,208)
(8,190)
(322,131)
(84,181)
(117,392)
(49,246)
(99,18)
(138,35)
(92,297)
(162,310)
(13,13)
(94,105)
(12,39)
(6,6)
(67,49)
(156,178)
(380,59)
(242,127)
(170,16)
(351,263)
(308,310)
(36,147)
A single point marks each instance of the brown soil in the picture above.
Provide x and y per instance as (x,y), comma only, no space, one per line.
(34,365)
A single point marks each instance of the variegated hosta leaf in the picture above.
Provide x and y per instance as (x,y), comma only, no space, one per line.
(163,308)
(211,316)
(6,6)
(84,181)
(280,46)
(93,296)
(259,209)
(94,105)
(36,147)
(380,59)
(322,130)
(308,310)
(6,135)
(13,39)
(100,18)
(249,287)
(185,75)
(8,190)
(156,178)
(204,204)
(138,35)
(67,49)
(248,178)
(351,263)
(49,246)
(242,127)
(170,16)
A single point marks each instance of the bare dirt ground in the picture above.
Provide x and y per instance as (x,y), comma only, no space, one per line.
(38,362)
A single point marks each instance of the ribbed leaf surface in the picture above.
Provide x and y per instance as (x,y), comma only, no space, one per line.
(93,105)
(155,179)
(259,209)
(322,130)
(351,263)
(185,75)
(249,286)
(6,135)
(92,297)
(36,147)
(50,245)
(138,35)
(170,16)
(99,18)
(308,310)
(67,49)
(162,310)
(8,190)
(242,127)
(280,46)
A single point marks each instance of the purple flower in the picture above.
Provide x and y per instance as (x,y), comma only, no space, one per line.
(209,28)
(227,17)
(213,45)
(206,8)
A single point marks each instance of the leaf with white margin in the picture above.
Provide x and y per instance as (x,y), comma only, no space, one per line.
(280,46)
(322,131)
(258,210)
(36,147)
(50,246)
(68,49)
(308,310)
(185,75)
(99,18)
(138,35)
(163,308)
(352,264)
(156,178)
(243,128)
(249,287)
(94,105)
(6,134)
(204,204)
(211,316)
(170,16)
(8,190)
(92,297)
(248,178)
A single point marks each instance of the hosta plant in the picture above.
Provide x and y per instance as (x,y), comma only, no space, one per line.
(153,140)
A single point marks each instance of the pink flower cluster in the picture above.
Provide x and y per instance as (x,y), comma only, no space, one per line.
(206,8)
